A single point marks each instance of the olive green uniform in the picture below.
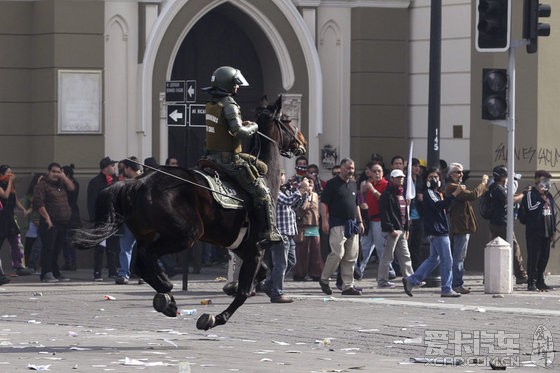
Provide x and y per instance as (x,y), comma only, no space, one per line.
(224,134)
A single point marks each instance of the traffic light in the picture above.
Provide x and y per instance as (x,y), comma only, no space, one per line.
(494,94)
(532,28)
(493,25)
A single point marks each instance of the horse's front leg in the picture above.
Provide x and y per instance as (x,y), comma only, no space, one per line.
(246,277)
(145,264)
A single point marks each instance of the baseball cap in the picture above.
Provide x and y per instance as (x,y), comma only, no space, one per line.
(397,173)
(106,162)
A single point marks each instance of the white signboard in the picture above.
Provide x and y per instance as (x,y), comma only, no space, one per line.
(79,101)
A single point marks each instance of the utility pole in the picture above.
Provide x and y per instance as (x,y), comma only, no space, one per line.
(434,97)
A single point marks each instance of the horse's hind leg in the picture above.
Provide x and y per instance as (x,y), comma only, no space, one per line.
(146,266)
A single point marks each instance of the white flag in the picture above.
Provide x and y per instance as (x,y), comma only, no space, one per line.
(410,187)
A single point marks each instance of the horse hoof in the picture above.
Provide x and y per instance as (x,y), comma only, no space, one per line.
(162,301)
(230,288)
(205,322)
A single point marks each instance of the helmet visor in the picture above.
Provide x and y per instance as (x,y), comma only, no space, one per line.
(239,79)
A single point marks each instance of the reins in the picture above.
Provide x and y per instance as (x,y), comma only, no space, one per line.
(185,180)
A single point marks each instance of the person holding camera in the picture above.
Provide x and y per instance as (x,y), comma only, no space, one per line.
(539,218)
(436,228)
(50,199)
(463,221)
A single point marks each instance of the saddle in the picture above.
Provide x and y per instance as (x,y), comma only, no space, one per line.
(210,171)
(221,187)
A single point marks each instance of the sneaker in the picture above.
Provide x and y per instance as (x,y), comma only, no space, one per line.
(386,285)
(407,287)
(24,271)
(450,294)
(521,280)
(63,278)
(98,279)
(121,280)
(532,287)
(49,278)
(462,290)
(281,299)
(351,291)
(325,287)
(4,280)
(392,276)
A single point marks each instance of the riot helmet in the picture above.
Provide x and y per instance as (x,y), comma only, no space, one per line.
(226,77)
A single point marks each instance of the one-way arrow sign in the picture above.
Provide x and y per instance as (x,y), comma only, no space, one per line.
(176,115)
(191,91)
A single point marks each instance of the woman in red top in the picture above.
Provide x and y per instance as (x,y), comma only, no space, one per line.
(371,190)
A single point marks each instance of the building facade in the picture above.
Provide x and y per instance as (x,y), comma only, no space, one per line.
(85,79)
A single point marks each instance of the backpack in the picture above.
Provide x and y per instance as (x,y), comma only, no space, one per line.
(522,211)
(486,205)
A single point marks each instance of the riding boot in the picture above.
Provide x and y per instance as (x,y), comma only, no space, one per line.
(267,224)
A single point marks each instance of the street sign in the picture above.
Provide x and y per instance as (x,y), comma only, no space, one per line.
(191,91)
(176,115)
(175,91)
(197,115)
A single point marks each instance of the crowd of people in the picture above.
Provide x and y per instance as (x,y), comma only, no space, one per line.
(369,218)
(361,220)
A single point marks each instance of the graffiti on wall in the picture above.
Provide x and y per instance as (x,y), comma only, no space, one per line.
(545,157)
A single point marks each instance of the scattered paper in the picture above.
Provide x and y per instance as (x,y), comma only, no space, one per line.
(281,343)
(109,297)
(135,362)
(324,342)
(76,348)
(38,367)
(170,342)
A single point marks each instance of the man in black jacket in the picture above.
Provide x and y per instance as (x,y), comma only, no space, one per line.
(102,180)
(394,225)
(540,223)
(498,221)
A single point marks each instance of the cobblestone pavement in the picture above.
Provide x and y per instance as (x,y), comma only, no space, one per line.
(70,327)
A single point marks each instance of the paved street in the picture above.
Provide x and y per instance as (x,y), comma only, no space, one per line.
(71,327)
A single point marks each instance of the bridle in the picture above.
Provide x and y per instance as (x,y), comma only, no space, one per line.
(286,130)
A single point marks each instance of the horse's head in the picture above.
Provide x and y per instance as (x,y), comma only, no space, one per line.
(273,124)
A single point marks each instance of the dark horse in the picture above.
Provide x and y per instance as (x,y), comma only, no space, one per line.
(168,213)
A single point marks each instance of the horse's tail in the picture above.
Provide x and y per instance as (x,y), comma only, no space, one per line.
(108,217)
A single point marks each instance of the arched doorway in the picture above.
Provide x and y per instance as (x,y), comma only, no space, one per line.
(276,30)
(221,37)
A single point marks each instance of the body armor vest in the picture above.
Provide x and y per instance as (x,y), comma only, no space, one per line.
(218,136)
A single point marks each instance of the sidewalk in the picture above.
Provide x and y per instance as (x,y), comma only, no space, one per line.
(71,327)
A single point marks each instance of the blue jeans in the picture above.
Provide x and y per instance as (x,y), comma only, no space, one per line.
(291,254)
(374,239)
(460,244)
(279,259)
(440,254)
(126,242)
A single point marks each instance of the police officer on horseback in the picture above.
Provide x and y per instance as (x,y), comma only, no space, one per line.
(225,132)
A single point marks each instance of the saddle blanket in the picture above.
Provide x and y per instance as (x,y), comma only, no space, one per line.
(221,189)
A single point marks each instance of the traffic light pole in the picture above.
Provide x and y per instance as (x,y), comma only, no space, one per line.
(511,141)
(511,135)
